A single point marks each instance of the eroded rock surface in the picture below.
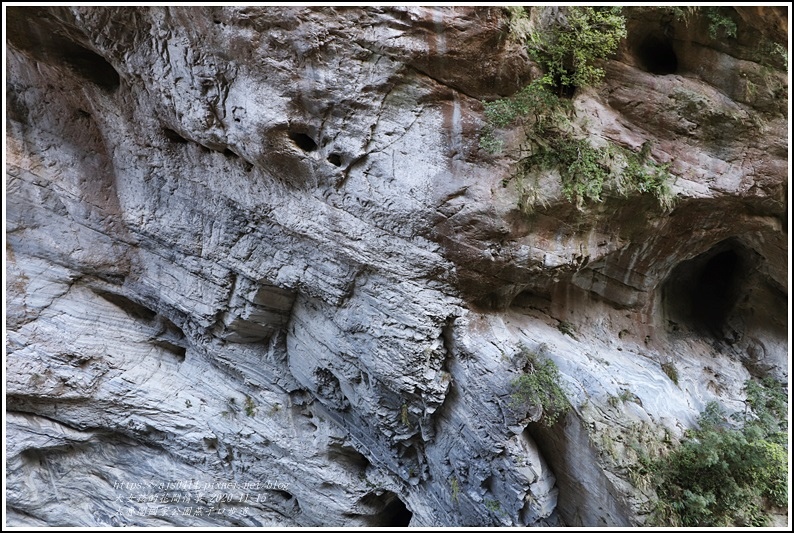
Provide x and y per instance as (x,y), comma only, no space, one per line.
(261,245)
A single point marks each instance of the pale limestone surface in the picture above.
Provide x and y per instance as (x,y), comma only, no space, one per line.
(261,245)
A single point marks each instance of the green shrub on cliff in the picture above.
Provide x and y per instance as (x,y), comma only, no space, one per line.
(568,51)
(540,386)
(723,476)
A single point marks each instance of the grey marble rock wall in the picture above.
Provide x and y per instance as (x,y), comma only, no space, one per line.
(258,254)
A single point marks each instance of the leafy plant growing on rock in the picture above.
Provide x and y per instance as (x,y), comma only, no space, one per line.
(404,418)
(726,476)
(671,371)
(540,386)
(568,52)
(518,23)
(624,396)
(638,172)
(535,106)
(231,408)
(250,406)
(566,328)
(720,25)
(495,507)
(454,485)
(582,167)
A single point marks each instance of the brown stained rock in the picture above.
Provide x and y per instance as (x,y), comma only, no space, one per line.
(771,21)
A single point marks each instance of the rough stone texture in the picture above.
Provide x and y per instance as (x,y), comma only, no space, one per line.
(256,244)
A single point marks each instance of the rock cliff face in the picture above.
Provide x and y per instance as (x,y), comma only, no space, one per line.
(257,253)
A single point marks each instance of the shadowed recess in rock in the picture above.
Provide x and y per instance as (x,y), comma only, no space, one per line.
(163,333)
(36,35)
(656,55)
(700,294)
(173,136)
(391,511)
(587,496)
(349,457)
(128,306)
(303,141)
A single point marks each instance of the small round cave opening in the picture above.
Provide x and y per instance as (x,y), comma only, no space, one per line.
(391,510)
(713,295)
(335,160)
(303,141)
(656,55)
(700,294)
(397,514)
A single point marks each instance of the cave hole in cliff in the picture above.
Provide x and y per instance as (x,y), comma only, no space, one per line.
(178,351)
(381,509)
(173,136)
(585,496)
(565,91)
(394,511)
(715,292)
(335,160)
(287,501)
(283,494)
(657,56)
(133,309)
(303,141)
(700,294)
(488,483)
(33,31)
(91,66)
(347,456)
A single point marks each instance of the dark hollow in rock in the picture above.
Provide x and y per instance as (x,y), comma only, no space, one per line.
(335,160)
(178,351)
(35,34)
(173,136)
(283,494)
(657,56)
(700,294)
(715,292)
(303,141)
(128,306)
(568,451)
(567,91)
(349,457)
(394,514)
(92,67)
(385,510)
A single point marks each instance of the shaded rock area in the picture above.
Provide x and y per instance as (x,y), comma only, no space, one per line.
(259,268)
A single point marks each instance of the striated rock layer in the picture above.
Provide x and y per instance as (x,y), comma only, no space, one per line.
(256,253)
